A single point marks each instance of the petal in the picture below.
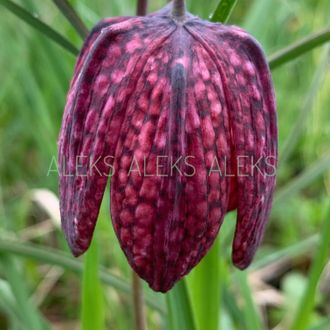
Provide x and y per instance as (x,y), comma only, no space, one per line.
(103,83)
(255,136)
(251,105)
(90,40)
(166,217)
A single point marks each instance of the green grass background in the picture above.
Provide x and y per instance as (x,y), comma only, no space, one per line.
(34,78)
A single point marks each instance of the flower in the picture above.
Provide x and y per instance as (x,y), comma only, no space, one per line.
(182,113)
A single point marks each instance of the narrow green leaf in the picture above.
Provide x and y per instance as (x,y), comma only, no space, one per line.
(179,311)
(39,25)
(252,318)
(204,284)
(231,304)
(29,314)
(301,181)
(321,258)
(68,11)
(298,127)
(92,311)
(322,325)
(58,258)
(223,11)
(8,304)
(226,321)
(299,48)
(295,250)
(251,20)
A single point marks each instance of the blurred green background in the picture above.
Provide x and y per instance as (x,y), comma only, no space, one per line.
(34,77)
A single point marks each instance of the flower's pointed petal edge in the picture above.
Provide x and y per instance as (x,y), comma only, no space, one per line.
(251,102)
(83,54)
(138,215)
(133,192)
(255,135)
(95,107)
(207,133)
(92,36)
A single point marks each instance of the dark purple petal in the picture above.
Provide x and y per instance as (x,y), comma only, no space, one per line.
(251,106)
(97,104)
(166,224)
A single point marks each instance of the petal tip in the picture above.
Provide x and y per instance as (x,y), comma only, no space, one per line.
(241,263)
(243,256)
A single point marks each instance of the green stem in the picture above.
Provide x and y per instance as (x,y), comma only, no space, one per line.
(179,9)
(40,26)
(92,309)
(71,15)
(204,287)
(138,303)
(180,313)
(303,315)
(299,48)
(250,311)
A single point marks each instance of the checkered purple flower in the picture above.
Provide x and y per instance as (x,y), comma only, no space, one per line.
(168,105)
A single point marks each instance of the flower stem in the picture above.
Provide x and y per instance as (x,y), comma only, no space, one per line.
(142,7)
(179,9)
(138,302)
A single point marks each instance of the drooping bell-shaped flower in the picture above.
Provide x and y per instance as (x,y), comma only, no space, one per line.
(181,113)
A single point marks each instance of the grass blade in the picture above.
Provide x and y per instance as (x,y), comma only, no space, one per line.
(231,304)
(299,125)
(58,258)
(223,11)
(292,251)
(92,312)
(39,25)
(251,20)
(251,315)
(8,305)
(71,15)
(204,285)
(180,313)
(320,260)
(322,325)
(299,48)
(303,179)
(29,314)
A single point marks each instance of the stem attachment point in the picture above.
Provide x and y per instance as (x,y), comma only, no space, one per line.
(179,9)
